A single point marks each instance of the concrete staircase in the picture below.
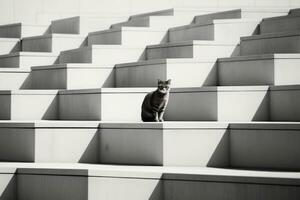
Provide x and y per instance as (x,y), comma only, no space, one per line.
(71,95)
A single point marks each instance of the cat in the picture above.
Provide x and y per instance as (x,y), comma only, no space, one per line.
(155,102)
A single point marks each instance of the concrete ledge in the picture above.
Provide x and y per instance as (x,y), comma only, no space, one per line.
(53,42)
(27,59)
(145,73)
(128,36)
(266,69)
(20,30)
(72,76)
(103,54)
(286,42)
(192,49)
(14,78)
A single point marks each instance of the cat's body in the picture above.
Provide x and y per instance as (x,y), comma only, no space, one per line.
(155,103)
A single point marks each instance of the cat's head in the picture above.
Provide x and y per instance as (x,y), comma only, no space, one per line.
(163,86)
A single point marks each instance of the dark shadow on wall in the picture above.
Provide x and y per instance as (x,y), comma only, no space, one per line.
(263,111)
(91,153)
(16,48)
(10,191)
(110,80)
(212,77)
(52,112)
(17,144)
(158,192)
(27,84)
(221,155)
(49,184)
(5,105)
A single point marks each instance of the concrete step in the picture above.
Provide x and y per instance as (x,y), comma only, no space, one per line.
(9,45)
(229,30)
(53,42)
(196,104)
(198,144)
(183,72)
(77,25)
(20,30)
(128,36)
(268,69)
(245,13)
(211,144)
(252,103)
(103,54)
(161,22)
(283,42)
(11,79)
(192,49)
(88,182)
(27,59)
(280,24)
(72,76)
(28,104)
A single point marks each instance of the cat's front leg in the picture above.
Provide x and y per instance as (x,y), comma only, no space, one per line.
(160,115)
(156,119)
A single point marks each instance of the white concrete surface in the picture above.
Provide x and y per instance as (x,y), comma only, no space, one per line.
(72,76)
(27,59)
(192,49)
(53,43)
(269,69)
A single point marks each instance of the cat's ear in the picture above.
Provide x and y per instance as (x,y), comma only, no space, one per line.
(159,81)
(169,81)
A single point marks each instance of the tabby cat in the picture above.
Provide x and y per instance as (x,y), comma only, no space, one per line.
(155,102)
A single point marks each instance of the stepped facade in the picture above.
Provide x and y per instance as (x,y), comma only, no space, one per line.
(71,96)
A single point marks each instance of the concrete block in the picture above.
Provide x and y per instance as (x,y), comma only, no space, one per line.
(53,43)
(287,42)
(245,13)
(28,104)
(27,59)
(280,24)
(192,49)
(102,54)
(11,79)
(204,104)
(128,36)
(183,72)
(265,145)
(272,69)
(80,25)
(72,76)
(217,30)
(161,22)
(20,30)
(9,45)
(284,105)
(52,141)
(168,144)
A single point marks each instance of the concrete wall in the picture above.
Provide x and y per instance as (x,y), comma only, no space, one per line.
(42,11)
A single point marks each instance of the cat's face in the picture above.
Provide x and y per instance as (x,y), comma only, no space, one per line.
(164,86)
